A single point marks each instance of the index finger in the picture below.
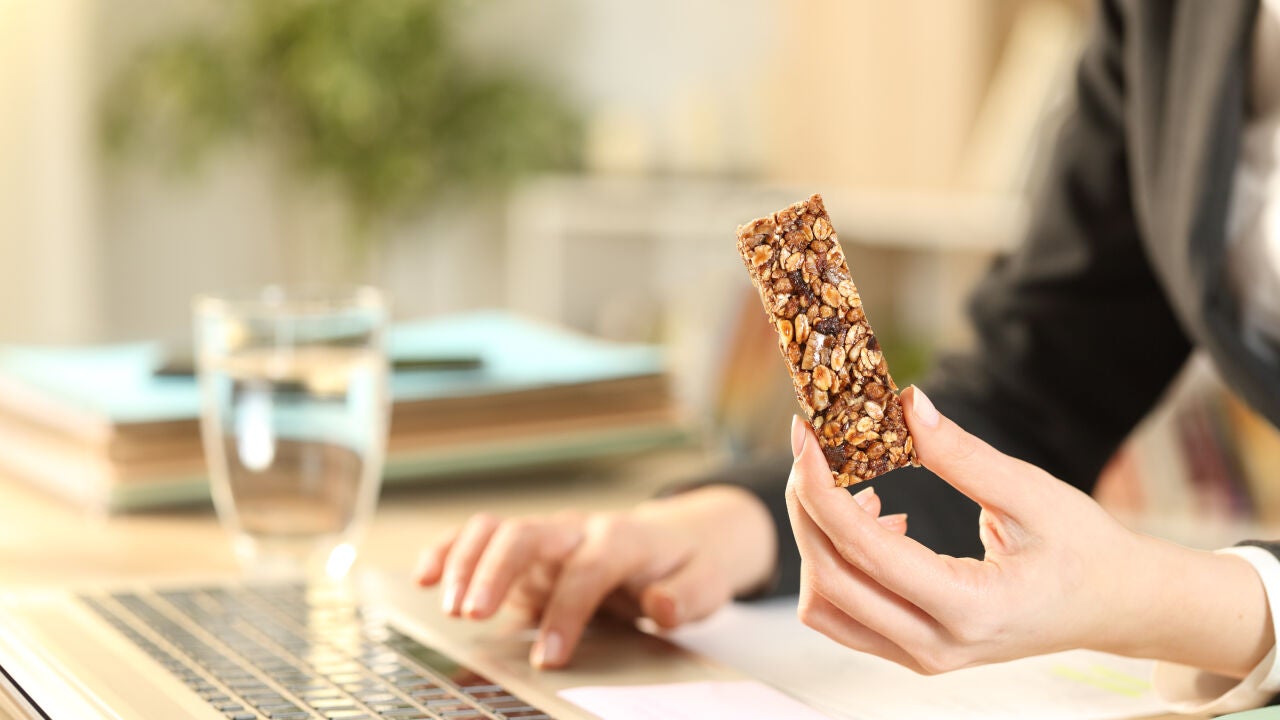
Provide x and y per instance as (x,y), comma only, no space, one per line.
(515,546)
(431,561)
(600,564)
(902,565)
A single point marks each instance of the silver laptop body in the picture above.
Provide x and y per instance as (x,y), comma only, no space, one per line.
(378,648)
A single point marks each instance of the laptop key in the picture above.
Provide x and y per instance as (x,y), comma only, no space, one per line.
(508,702)
(346,714)
(265,700)
(428,693)
(335,703)
(452,708)
(409,683)
(244,684)
(319,693)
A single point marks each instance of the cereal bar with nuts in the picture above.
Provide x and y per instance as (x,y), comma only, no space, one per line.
(836,364)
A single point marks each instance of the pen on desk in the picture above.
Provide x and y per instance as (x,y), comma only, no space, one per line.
(184,367)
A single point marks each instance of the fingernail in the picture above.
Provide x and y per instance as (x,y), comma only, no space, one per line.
(924,410)
(476,602)
(864,496)
(450,602)
(895,519)
(547,650)
(797,435)
(669,607)
(426,564)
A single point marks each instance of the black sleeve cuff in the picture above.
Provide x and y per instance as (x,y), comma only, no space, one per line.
(1271,546)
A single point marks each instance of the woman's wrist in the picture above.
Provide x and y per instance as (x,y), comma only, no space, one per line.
(1191,607)
(732,525)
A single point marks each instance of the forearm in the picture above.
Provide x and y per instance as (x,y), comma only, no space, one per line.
(1194,608)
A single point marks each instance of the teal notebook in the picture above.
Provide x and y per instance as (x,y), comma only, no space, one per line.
(106,405)
(117,385)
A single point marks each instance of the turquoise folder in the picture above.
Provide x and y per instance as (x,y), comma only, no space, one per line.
(97,395)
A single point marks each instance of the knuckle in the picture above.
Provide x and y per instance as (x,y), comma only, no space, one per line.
(976,617)
(851,551)
(529,591)
(992,629)
(611,526)
(516,528)
(974,629)
(935,661)
(565,612)
(926,670)
(966,447)
(807,609)
(587,564)
(810,578)
(570,517)
(482,521)
(792,496)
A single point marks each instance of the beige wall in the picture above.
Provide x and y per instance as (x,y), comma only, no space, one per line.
(824,93)
(47,253)
(871,93)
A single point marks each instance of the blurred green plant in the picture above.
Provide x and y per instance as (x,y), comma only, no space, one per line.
(372,95)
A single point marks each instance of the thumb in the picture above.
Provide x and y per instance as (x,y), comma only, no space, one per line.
(984,474)
(692,592)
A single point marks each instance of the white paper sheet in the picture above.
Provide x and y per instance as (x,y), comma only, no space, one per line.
(743,700)
(767,641)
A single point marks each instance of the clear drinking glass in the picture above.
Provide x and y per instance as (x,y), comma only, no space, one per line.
(294,416)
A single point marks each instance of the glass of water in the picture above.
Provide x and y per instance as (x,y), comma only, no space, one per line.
(294,415)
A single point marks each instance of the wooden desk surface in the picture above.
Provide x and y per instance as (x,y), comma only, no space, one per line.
(44,541)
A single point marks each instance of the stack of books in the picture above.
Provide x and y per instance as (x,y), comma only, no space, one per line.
(111,428)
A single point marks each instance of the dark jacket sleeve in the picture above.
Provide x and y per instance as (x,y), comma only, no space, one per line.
(1075,338)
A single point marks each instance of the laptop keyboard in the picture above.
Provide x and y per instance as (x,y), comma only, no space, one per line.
(281,653)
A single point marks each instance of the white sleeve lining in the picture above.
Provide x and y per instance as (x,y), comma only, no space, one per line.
(1190,690)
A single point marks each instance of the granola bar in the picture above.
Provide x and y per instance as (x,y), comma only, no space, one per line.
(840,375)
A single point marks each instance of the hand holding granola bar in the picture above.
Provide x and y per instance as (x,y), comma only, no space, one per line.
(1058,571)
(839,371)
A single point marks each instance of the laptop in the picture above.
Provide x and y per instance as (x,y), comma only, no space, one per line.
(375,648)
